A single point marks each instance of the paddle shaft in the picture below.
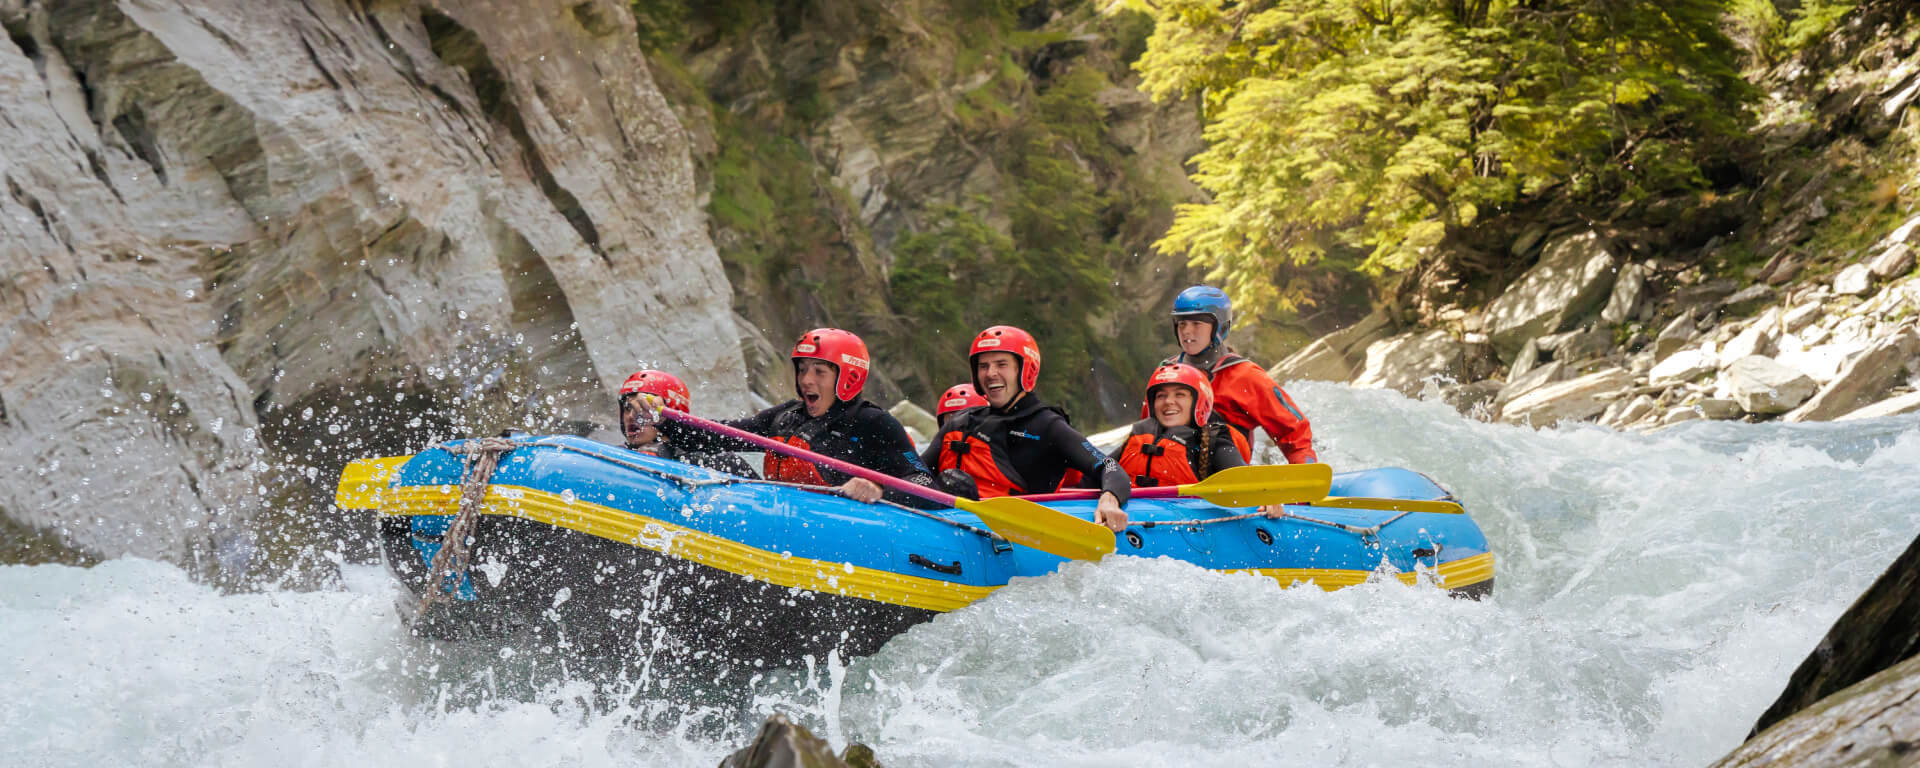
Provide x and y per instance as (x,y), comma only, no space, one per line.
(881,478)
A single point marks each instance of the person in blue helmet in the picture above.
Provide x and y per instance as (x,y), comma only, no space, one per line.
(1244,395)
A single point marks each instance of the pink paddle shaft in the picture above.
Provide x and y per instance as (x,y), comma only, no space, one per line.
(885,480)
(1149,492)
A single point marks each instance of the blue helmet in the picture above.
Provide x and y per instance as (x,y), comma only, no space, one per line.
(1206,300)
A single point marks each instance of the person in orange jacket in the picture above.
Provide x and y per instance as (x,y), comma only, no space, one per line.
(1244,395)
(1180,443)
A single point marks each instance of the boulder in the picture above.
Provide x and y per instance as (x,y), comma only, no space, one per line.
(1624,303)
(1853,281)
(1684,366)
(1573,276)
(1535,378)
(1718,409)
(1576,400)
(1894,261)
(1635,410)
(1577,345)
(1336,356)
(1892,406)
(1870,723)
(1676,415)
(1471,398)
(1763,386)
(1756,339)
(1878,633)
(1744,301)
(1822,362)
(1406,361)
(782,744)
(1675,336)
(1801,316)
(1860,381)
(914,417)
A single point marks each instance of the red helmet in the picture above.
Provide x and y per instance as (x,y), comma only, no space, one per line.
(840,349)
(1187,376)
(959,397)
(666,386)
(1006,338)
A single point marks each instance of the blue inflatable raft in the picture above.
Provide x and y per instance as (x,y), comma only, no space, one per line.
(614,550)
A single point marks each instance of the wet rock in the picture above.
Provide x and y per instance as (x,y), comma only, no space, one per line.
(782,744)
(1576,399)
(1861,380)
(244,209)
(1870,724)
(1892,406)
(1534,378)
(1763,386)
(1821,362)
(1679,414)
(1636,409)
(1879,631)
(914,417)
(1684,366)
(1892,262)
(1577,345)
(1337,356)
(1624,303)
(1472,398)
(1572,278)
(1718,409)
(1405,362)
(1853,281)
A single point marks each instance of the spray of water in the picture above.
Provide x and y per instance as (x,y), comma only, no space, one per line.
(1654,592)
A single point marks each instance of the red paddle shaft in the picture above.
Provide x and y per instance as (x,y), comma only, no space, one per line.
(784,449)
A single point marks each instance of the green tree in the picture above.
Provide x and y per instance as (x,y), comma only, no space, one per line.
(1378,127)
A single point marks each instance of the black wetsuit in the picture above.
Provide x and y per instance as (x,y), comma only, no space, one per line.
(858,432)
(1031,446)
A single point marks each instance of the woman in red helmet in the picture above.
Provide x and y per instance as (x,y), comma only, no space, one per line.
(827,417)
(1018,444)
(1247,398)
(644,437)
(957,398)
(1180,443)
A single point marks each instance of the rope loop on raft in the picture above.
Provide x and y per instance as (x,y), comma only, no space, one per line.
(451,563)
(1362,532)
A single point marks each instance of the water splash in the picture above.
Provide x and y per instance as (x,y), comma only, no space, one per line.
(1653,594)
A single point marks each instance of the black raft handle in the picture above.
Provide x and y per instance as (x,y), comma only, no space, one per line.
(922,561)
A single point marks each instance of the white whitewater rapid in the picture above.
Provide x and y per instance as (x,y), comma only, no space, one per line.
(1653,594)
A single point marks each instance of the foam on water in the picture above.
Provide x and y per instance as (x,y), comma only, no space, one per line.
(1653,594)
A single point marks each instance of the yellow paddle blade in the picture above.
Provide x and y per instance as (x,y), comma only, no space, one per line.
(1392,505)
(1050,531)
(362,480)
(1253,486)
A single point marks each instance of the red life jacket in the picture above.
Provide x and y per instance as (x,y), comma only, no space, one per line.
(974,455)
(790,470)
(1152,457)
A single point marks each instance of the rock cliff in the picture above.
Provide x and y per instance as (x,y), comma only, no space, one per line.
(243,242)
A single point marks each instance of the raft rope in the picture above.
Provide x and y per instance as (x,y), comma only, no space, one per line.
(1353,529)
(710,482)
(480,455)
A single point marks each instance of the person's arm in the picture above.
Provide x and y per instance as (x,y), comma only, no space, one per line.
(1274,411)
(694,439)
(1223,453)
(892,452)
(1080,454)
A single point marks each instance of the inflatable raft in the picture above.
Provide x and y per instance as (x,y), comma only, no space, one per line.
(608,550)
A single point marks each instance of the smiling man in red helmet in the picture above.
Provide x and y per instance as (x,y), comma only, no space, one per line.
(644,436)
(827,417)
(1017,444)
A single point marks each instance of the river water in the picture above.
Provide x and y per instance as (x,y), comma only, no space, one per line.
(1654,593)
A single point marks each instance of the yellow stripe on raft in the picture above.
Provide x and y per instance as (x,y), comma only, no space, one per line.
(800,572)
(363,480)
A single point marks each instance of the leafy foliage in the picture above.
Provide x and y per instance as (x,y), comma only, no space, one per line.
(1379,127)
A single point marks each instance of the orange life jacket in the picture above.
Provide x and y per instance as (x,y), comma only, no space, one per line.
(1152,457)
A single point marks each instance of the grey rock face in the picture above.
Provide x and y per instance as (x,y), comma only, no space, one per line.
(1761,385)
(1337,356)
(1861,380)
(220,214)
(1575,400)
(1853,281)
(1404,362)
(1573,276)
